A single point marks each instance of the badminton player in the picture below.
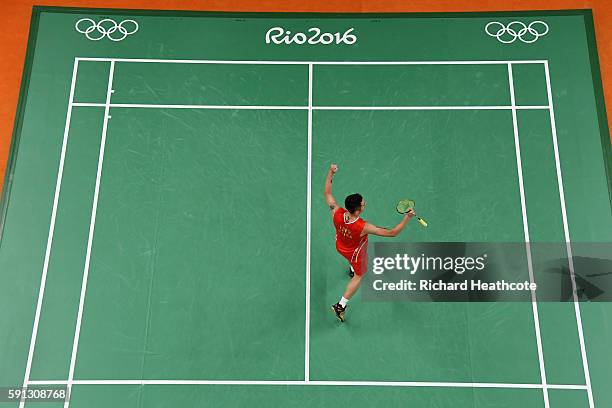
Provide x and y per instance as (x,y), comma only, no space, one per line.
(352,237)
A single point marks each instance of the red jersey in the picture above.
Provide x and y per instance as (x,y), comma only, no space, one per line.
(348,234)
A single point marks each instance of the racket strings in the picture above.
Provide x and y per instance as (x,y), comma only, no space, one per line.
(405,205)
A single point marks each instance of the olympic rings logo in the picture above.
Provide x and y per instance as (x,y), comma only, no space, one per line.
(517,30)
(106,28)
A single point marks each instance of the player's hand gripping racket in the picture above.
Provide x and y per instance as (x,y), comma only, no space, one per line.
(403,206)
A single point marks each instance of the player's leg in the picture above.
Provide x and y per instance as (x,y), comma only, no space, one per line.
(360,266)
(351,288)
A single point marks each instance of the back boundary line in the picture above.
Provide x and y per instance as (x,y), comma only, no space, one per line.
(313,107)
(261,62)
(320,383)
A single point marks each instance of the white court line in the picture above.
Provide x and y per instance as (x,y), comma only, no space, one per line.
(58,186)
(534,304)
(463,107)
(160,106)
(568,244)
(75,345)
(308,228)
(261,62)
(307,107)
(432,384)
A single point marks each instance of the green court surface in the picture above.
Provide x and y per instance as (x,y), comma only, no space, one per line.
(165,241)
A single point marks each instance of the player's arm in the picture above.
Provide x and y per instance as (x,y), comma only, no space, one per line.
(388,232)
(329,198)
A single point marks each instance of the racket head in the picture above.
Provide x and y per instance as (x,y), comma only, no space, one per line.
(403,206)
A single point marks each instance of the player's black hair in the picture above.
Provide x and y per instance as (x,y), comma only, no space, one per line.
(353,202)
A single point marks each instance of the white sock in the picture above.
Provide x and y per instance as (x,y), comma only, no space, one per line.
(343,301)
